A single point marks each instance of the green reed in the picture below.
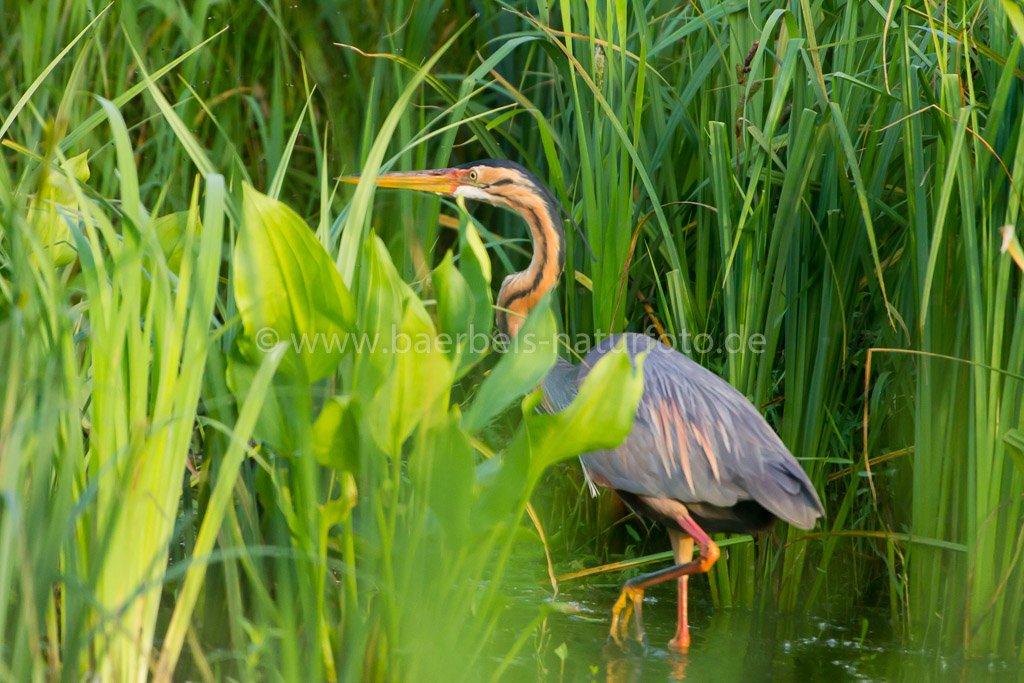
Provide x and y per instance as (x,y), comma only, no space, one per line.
(820,176)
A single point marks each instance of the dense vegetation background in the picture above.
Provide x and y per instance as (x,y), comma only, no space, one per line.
(178,494)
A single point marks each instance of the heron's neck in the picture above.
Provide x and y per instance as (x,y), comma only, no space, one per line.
(523,290)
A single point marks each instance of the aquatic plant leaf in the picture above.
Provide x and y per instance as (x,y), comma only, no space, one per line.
(475,266)
(53,206)
(474,254)
(443,473)
(600,417)
(381,296)
(399,361)
(417,387)
(287,289)
(337,510)
(336,435)
(455,312)
(270,428)
(531,356)
(170,232)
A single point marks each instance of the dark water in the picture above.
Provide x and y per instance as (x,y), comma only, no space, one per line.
(726,644)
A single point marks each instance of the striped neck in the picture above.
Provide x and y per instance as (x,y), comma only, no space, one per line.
(521,291)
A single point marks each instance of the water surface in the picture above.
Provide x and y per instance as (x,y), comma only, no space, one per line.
(726,644)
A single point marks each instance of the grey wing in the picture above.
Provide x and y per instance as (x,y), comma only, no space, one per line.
(696,439)
(559,387)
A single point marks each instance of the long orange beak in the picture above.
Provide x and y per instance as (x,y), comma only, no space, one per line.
(441,181)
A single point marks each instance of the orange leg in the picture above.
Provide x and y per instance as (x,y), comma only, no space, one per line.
(682,546)
(631,598)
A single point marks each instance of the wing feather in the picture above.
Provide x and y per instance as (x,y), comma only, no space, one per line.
(696,439)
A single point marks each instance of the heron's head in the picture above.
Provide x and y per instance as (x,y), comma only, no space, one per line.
(507,184)
(495,181)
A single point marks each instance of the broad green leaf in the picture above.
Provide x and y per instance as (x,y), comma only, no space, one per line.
(600,417)
(443,473)
(475,266)
(418,385)
(270,428)
(336,435)
(55,204)
(337,510)
(170,232)
(455,312)
(287,289)
(531,356)
(381,296)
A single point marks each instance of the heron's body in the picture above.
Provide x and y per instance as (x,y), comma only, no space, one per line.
(695,440)
(700,458)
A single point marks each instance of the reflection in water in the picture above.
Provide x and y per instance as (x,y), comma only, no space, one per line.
(680,660)
(622,667)
(726,644)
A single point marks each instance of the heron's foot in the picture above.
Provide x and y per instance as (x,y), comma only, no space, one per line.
(681,642)
(630,602)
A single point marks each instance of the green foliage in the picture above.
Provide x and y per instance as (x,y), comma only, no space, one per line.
(287,289)
(170,232)
(456,310)
(531,355)
(53,199)
(829,180)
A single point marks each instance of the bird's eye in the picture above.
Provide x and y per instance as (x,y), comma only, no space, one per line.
(473,176)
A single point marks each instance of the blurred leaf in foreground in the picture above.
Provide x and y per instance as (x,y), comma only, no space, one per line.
(170,232)
(287,289)
(55,204)
(531,356)
(600,417)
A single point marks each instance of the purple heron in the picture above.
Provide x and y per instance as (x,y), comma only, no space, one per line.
(700,457)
